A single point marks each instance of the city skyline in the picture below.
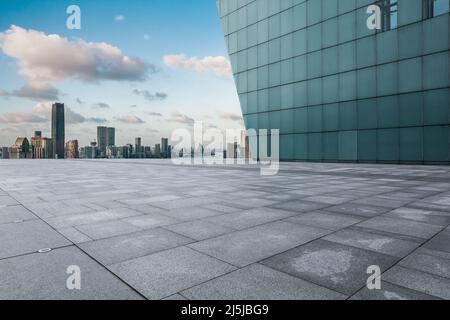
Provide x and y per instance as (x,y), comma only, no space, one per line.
(173,77)
(57,147)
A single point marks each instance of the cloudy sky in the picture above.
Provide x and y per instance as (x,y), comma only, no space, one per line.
(146,67)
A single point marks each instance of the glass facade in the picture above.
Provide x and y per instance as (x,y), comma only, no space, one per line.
(337,90)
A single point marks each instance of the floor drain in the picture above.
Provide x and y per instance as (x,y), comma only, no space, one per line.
(45,250)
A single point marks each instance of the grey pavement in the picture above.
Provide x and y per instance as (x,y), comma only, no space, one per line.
(147,229)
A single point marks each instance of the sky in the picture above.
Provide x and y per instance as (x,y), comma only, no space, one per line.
(145,67)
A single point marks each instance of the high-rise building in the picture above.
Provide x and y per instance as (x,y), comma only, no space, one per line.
(164,147)
(58,130)
(147,152)
(4,153)
(138,149)
(102,139)
(41,148)
(122,152)
(20,149)
(138,142)
(72,151)
(90,152)
(111,137)
(338,89)
(157,153)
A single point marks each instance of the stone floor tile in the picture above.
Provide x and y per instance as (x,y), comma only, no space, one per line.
(27,237)
(335,266)
(402,226)
(42,276)
(325,220)
(199,229)
(134,245)
(391,292)
(258,282)
(252,245)
(420,281)
(166,273)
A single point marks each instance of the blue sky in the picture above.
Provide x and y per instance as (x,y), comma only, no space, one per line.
(180,88)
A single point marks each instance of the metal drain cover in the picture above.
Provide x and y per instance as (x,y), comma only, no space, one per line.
(45,250)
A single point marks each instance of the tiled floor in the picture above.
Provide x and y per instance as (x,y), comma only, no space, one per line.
(150,229)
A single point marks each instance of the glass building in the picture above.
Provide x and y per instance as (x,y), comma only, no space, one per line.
(58,130)
(337,89)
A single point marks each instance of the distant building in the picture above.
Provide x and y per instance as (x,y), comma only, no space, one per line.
(102,139)
(111,152)
(41,148)
(138,142)
(157,153)
(20,149)
(232,150)
(147,152)
(90,152)
(130,150)
(164,147)
(4,153)
(58,130)
(122,153)
(111,137)
(106,137)
(72,151)
(138,150)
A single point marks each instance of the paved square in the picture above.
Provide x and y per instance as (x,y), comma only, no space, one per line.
(149,229)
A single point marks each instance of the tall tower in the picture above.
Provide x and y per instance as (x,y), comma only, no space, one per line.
(111,140)
(58,130)
(164,147)
(102,138)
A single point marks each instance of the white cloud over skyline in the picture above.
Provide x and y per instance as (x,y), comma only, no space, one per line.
(41,113)
(44,60)
(129,119)
(218,65)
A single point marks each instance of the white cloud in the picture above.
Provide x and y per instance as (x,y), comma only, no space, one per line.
(150,96)
(130,119)
(230,116)
(154,114)
(34,92)
(181,118)
(119,18)
(44,109)
(218,65)
(101,105)
(21,117)
(42,113)
(146,36)
(47,59)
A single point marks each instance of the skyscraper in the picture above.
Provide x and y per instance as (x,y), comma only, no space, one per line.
(106,137)
(138,150)
(337,89)
(102,139)
(164,147)
(58,130)
(111,141)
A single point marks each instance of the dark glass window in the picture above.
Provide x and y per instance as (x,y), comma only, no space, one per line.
(433,8)
(389,14)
